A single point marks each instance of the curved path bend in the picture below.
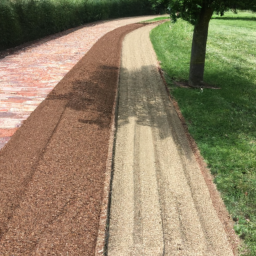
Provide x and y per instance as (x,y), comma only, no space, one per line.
(28,75)
(160,202)
(53,169)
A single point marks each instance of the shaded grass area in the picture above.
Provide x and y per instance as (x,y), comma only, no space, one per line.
(221,121)
(25,20)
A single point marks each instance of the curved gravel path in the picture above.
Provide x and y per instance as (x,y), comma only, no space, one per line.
(53,170)
(28,75)
(160,202)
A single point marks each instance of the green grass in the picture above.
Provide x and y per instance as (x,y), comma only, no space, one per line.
(157,19)
(221,121)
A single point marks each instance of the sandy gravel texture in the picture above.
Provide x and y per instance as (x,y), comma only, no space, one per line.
(52,171)
(160,202)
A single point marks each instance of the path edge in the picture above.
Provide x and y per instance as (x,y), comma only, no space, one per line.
(218,204)
(102,237)
(100,249)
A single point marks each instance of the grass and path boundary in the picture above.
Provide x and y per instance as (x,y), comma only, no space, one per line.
(222,122)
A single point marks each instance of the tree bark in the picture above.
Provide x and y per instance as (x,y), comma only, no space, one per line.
(196,73)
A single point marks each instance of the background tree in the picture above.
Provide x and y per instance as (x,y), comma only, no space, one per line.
(199,13)
(159,6)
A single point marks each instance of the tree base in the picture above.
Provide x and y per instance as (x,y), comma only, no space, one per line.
(202,85)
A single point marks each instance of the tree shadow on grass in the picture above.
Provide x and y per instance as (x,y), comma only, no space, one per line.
(235,18)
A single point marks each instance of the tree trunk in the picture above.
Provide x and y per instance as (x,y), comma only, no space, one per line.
(196,73)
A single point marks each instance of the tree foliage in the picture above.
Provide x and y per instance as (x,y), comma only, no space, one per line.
(199,13)
(160,6)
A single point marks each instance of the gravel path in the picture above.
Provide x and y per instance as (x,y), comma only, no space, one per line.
(29,74)
(160,202)
(52,171)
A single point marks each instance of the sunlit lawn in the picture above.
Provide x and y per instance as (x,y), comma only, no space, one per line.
(223,122)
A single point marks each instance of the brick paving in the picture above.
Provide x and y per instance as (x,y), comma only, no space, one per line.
(28,75)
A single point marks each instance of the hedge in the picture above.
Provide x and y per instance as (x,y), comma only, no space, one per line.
(25,20)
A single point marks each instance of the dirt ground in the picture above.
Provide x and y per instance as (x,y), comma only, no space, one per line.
(160,202)
(52,170)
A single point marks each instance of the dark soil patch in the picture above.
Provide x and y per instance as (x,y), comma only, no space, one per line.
(52,170)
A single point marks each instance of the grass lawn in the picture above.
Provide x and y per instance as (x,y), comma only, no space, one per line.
(223,122)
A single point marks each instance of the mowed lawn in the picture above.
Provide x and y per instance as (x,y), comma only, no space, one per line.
(223,122)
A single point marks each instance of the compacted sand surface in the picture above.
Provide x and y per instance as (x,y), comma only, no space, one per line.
(160,202)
